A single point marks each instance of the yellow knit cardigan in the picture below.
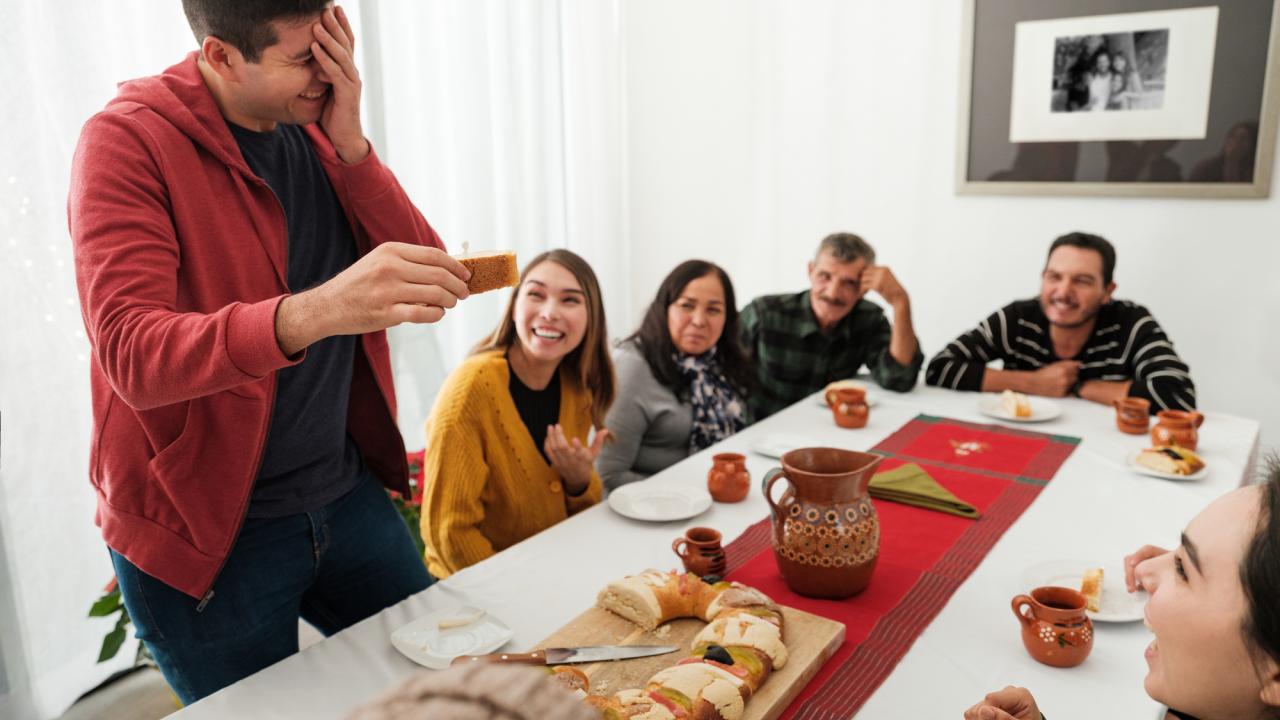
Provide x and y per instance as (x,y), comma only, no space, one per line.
(487,486)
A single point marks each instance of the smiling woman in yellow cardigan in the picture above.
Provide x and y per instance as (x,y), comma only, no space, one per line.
(491,478)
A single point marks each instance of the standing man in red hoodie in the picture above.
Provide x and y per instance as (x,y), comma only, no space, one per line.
(240,250)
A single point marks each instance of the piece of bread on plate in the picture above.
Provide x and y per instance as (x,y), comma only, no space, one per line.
(1091,588)
(1170,459)
(1015,404)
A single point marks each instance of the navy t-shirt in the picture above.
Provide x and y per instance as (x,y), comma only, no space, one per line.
(309,460)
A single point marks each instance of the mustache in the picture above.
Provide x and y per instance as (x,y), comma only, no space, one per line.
(832,301)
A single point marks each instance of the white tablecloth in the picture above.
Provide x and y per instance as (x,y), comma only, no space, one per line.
(1094,509)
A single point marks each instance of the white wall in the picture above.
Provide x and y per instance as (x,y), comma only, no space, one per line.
(757,127)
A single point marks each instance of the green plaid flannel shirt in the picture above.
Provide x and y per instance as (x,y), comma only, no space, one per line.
(794,358)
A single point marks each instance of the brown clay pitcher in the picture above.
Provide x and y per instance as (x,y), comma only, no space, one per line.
(1177,427)
(826,535)
(1055,628)
(728,480)
(1133,415)
(850,407)
(700,551)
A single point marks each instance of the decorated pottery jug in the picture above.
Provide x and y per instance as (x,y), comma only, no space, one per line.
(700,551)
(1133,415)
(1055,628)
(850,407)
(826,535)
(728,479)
(1177,427)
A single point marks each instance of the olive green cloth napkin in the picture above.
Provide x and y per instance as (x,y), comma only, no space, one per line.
(910,485)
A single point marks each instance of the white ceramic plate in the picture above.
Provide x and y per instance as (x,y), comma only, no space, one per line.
(1116,603)
(426,643)
(1041,409)
(775,446)
(659,503)
(1132,462)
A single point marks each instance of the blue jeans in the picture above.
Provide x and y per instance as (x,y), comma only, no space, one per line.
(331,567)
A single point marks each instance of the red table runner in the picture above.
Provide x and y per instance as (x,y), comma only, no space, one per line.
(924,555)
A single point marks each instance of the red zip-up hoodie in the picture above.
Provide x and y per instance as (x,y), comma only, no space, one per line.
(181,258)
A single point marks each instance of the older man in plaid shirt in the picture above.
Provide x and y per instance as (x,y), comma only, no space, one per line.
(802,341)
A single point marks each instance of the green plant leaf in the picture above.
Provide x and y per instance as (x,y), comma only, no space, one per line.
(111,643)
(106,605)
(412,515)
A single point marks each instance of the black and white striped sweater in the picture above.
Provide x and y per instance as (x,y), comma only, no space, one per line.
(1127,344)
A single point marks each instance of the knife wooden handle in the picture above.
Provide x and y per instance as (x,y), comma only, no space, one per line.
(537,657)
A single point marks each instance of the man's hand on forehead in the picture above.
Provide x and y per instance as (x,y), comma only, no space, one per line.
(334,49)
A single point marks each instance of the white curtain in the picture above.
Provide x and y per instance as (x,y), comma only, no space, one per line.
(502,119)
(60,63)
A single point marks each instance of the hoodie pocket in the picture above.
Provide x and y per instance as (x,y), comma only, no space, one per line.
(198,481)
(173,454)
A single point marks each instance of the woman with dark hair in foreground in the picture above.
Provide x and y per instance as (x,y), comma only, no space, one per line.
(1214,611)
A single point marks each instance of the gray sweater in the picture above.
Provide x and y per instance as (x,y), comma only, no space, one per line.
(650,427)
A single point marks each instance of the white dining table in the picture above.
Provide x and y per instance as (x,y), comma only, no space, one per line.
(1095,509)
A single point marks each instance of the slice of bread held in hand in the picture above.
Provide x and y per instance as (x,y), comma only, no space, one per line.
(490,270)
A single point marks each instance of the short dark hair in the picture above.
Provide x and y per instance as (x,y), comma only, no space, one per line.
(1260,572)
(653,339)
(846,247)
(1096,243)
(246,24)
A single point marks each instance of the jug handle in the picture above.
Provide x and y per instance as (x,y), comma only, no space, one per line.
(767,486)
(675,546)
(1020,602)
(1197,419)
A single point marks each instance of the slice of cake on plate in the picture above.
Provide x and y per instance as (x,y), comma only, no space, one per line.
(1015,404)
(1170,459)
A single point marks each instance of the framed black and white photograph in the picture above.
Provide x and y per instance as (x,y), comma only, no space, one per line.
(1118,97)
(1108,77)
(1105,72)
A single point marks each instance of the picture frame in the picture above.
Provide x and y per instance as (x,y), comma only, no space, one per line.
(1188,110)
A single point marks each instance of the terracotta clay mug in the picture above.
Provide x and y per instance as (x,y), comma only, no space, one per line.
(850,407)
(700,551)
(728,480)
(1177,427)
(1055,628)
(830,394)
(1133,415)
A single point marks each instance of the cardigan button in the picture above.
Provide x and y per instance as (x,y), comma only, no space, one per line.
(554,486)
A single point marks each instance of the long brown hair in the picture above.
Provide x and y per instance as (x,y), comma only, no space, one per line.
(589,364)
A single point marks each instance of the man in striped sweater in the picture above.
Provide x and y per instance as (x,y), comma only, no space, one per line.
(1072,340)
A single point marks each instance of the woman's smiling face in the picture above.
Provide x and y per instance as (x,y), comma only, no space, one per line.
(1198,662)
(550,312)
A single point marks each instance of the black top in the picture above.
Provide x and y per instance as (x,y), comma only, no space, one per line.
(537,408)
(1127,344)
(309,460)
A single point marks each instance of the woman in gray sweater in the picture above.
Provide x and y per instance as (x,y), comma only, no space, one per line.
(682,377)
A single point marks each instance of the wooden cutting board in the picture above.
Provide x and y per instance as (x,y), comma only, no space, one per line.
(811,641)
